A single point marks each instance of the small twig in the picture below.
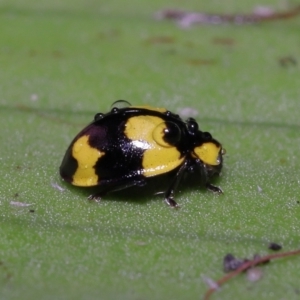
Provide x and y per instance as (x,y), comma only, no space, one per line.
(246,265)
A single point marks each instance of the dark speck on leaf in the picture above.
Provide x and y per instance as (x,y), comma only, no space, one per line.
(274,246)
(230,263)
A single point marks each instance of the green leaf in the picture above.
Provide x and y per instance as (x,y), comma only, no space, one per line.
(63,61)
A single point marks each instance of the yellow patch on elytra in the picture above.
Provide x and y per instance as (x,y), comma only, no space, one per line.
(87,158)
(159,157)
(209,153)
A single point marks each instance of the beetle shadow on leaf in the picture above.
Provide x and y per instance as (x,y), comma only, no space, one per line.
(154,189)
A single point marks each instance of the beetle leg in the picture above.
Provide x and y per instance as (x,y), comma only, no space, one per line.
(97,196)
(169,194)
(205,176)
(213,188)
(112,187)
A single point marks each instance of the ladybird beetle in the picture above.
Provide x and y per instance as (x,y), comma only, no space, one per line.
(125,146)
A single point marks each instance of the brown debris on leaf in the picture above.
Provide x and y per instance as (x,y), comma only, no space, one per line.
(287,61)
(237,266)
(231,263)
(186,19)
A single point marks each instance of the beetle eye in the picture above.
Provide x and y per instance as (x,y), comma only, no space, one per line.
(98,116)
(167,134)
(192,126)
(120,104)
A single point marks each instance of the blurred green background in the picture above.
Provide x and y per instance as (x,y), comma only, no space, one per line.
(63,61)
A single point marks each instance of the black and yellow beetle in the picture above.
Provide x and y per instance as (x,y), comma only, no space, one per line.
(125,146)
